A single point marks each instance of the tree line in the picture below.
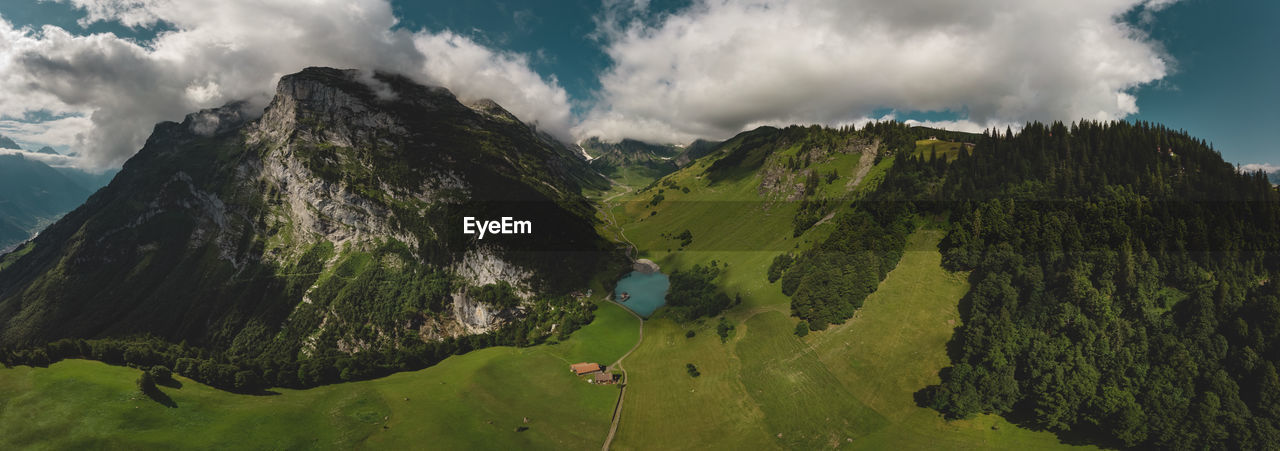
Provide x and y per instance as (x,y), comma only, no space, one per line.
(233,372)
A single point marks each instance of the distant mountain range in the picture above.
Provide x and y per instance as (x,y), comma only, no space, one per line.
(632,157)
(34,194)
(6,143)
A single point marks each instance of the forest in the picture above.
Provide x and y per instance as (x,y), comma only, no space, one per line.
(1123,283)
(1122,287)
(246,374)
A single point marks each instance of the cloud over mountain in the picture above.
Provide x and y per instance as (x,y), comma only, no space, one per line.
(114,89)
(708,70)
(719,66)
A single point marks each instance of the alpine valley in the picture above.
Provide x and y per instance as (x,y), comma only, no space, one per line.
(298,277)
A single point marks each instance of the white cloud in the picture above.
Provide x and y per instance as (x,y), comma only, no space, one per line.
(473,72)
(57,161)
(719,65)
(222,51)
(57,133)
(1264,167)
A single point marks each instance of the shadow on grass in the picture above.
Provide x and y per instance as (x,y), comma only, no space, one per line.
(160,397)
(170,382)
(260,392)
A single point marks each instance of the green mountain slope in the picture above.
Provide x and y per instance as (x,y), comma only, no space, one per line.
(1119,291)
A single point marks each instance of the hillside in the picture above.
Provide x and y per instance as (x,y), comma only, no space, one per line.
(1119,271)
(1160,290)
(764,387)
(327,227)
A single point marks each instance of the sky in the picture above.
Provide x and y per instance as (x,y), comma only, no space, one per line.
(92,77)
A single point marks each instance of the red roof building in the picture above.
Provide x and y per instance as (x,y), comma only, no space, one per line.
(585,368)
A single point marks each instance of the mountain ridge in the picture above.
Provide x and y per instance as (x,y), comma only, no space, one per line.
(260,236)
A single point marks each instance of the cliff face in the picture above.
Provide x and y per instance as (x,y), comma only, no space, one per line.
(332,221)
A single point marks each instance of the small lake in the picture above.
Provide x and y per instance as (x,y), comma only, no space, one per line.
(646,292)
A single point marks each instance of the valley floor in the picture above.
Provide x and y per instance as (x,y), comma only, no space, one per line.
(849,386)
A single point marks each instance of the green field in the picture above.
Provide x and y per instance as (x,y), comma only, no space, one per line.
(476,400)
(948,149)
(851,385)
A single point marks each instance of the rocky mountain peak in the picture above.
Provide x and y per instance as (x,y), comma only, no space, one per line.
(490,108)
(216,121)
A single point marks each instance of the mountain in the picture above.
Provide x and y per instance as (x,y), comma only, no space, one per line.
(32,195)
(627,150)
(331,225)
(630,159)
(89,180)
(695,150)
(6,143)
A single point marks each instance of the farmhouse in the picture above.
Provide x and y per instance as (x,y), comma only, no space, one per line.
(582,369)
(605,378)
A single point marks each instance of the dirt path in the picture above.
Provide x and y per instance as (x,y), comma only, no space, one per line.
(606,210)
(622,389)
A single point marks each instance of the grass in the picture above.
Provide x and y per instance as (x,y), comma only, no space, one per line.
(849,386)
(896,345)
(8,259)
(948,149)
(476,400)
(637,175)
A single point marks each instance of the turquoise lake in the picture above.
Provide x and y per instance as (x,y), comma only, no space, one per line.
(647,292)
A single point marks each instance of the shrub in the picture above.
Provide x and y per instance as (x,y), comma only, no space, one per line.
(161,373)
(723,329)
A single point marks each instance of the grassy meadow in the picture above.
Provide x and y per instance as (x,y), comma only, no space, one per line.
(850,386)
(471,401)
(949,150)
